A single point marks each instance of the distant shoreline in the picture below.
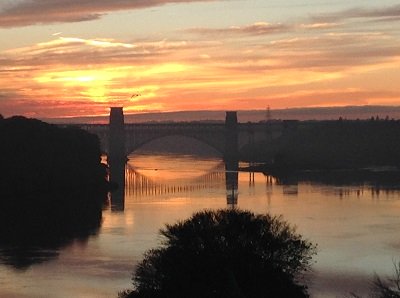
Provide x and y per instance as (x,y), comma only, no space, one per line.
(317,113)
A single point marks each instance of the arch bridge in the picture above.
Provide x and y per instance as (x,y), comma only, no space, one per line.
(118,139)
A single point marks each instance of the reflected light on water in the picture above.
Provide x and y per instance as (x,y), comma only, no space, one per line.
(356,227)
(176,169)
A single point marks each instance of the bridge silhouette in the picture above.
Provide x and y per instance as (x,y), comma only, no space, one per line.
(118,139)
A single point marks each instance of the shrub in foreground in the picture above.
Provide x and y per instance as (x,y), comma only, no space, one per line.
(225,253)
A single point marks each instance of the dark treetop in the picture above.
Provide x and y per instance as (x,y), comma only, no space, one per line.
(225,253)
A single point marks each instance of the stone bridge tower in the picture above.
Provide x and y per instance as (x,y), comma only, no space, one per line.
(117,156)
(117,135)
(231,136)
(231,156)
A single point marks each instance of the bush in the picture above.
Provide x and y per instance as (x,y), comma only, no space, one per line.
(385,288)
(225,253)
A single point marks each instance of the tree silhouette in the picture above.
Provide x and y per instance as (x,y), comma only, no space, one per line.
(225,253)
(52,189)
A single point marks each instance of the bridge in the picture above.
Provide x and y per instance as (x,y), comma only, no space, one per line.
(118,138)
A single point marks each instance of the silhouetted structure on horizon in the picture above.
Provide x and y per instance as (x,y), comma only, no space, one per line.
(124,138)
(228,138)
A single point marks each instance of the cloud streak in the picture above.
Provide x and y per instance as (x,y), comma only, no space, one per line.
(390,13)
(32,12)
(259,28)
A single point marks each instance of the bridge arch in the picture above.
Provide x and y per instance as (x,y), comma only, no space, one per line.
(134,145)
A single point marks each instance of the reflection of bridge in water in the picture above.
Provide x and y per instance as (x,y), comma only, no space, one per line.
(131,182)
(139,185)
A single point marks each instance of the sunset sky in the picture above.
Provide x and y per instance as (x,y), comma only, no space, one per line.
(62,58)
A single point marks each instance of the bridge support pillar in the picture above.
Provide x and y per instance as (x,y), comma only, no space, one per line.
(231,157)
(231,182)
(231,137)
(116,135)
(117,155)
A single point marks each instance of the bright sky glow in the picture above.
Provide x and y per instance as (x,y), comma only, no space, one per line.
(76,58)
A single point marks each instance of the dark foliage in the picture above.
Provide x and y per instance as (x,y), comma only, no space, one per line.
(332,145)
(52,185)
(225,253)
(37,157)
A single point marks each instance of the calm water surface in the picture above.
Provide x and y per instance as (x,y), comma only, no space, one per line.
(356,228)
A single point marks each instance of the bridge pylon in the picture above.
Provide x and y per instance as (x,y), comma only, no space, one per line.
(231,137)
(117,156)
(231,157)
(117,135)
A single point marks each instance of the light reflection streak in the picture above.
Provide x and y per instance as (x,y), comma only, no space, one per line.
(140,185)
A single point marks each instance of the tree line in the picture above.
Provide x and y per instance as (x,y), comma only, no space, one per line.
(52,183)
(343,144)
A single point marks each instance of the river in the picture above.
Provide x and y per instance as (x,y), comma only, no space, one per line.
(355,225)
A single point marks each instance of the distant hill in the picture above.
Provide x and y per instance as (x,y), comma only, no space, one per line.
(321,113)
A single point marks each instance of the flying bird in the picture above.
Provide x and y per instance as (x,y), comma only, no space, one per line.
(135,95)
